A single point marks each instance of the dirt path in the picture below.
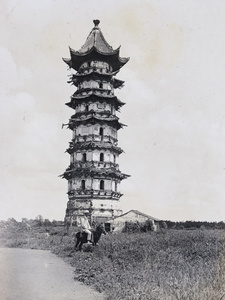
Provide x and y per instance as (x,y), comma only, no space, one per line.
(39,275)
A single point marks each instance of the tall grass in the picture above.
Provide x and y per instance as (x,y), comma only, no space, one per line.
(167,265)
(171,265)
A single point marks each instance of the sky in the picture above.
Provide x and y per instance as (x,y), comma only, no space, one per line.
(174,93)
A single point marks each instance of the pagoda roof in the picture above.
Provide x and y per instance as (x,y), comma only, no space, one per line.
(95,118)
(93,172)
(96,48)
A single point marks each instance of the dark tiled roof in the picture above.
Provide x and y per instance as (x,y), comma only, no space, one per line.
(97,40)
(96,48)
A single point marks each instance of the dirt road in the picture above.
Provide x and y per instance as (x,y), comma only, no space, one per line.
(39,275)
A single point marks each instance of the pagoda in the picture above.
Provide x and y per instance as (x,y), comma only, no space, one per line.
(93,174)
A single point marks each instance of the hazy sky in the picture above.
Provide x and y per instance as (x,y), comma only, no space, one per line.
(175,103)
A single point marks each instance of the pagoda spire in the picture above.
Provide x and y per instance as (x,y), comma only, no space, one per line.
(96,22)
(97,48)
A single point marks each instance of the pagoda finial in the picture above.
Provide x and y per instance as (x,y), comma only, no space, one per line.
(96,22)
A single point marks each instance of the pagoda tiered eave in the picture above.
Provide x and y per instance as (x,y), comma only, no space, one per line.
(94,173)
(79,77)
(93,96)
(78,58)
(112,121)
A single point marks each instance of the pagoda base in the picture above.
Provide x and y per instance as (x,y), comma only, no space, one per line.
(96,210)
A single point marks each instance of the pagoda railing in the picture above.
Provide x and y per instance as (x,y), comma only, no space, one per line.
(93,138)
(97,91)
(91,192)
(92,163)
(88,70)
(92,112)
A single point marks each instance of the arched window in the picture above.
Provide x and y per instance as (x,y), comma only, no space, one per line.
(100,85)
(83,184)
(101,156)
(87,108)
(102,185)
(70,184)
(115,186)
(114,158)
(101,131)
(84,158)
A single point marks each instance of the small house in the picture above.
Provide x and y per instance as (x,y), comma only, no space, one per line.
(133,216)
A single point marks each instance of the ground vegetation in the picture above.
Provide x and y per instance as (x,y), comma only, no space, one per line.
(174,263)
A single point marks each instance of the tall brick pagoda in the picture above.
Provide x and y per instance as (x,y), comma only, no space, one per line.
(93,175)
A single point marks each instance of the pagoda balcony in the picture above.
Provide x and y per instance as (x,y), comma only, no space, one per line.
(93,163)
(97,91)
(94,92)
(92,69)
(94,138)
(95,193)
(87,114)
(86,145)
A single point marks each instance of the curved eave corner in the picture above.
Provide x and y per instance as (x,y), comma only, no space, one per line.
(67,61)
(79,53)
(77,58)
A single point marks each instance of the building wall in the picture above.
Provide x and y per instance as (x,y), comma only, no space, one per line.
(96,106)
(93,156)
(95,129)
(132,216)
(95,84)
(102,66)
(94,184)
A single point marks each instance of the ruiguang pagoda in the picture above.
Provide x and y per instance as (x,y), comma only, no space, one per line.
(93,174)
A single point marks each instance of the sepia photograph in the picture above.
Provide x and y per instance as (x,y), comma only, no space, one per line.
(112,182)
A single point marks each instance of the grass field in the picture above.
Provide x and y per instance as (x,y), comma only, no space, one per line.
(166,265)
(171,265)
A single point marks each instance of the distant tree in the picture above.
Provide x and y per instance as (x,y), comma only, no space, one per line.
(46,222)
(39,220)
(12,221)
(221,225)
(24,220)
(163,225)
